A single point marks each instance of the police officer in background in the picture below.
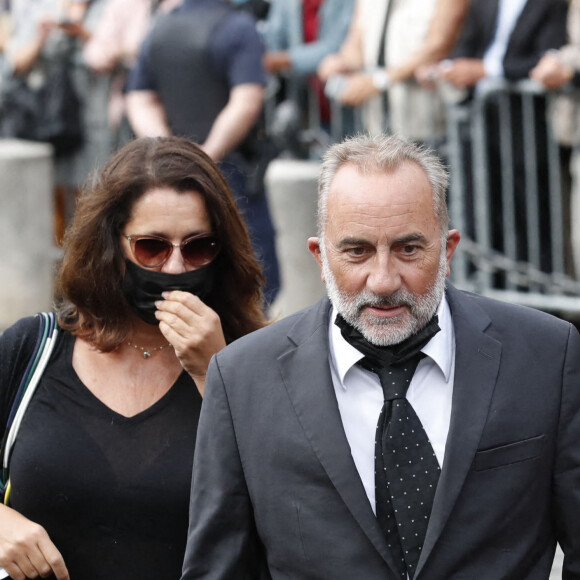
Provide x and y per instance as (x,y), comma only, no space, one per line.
(200,75)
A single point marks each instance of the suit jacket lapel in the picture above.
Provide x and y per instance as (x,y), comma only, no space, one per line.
(477,361)
(526,21)
(489,26)
(305,370)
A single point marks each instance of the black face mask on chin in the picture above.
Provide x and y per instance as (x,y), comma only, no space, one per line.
(143,287)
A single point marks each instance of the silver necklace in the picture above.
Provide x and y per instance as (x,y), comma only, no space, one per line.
(147,352)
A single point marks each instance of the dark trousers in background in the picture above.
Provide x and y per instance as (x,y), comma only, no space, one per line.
(524,167)
(254,208)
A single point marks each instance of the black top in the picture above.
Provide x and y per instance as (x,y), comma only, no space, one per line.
(111,491)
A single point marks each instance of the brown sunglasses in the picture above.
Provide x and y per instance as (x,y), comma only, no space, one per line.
(153,251)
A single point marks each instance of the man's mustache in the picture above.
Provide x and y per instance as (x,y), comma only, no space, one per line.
(399,298)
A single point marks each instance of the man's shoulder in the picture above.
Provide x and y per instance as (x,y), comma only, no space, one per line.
(242,21)
(239,26)
(281,334)
(507,315)
(214,12)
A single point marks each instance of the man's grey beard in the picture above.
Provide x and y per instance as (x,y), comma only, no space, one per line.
(382,331)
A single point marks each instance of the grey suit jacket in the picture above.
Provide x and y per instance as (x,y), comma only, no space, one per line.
(273,474)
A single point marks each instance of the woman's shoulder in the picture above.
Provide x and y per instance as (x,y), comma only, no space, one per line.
(23,330)
(18,342)
(16,348)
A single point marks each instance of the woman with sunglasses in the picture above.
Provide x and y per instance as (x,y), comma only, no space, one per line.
(158,274)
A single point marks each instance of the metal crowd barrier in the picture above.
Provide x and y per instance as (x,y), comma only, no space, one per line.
(525,211)
(529,205)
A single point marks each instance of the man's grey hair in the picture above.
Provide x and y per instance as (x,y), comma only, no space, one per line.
(382,154)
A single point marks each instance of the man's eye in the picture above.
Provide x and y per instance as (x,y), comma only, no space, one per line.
(409,249)
(356,251)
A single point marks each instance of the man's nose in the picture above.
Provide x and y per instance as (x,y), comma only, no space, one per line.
(384,277)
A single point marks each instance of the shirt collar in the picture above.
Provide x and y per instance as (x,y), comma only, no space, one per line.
(440,348)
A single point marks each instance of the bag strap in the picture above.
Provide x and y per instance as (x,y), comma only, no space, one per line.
(47,334)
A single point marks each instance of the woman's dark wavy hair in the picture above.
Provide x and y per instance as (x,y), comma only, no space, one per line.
(90,277)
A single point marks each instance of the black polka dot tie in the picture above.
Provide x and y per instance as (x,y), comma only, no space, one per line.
(406,469)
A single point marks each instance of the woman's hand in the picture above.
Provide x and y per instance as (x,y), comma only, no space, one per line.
(462,72)
(45,26)
(552,72)
(427,76)
(75,30)
(193,329)
(26,551)
(331,65)
(358,89)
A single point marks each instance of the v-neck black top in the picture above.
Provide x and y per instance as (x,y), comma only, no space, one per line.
(111,491)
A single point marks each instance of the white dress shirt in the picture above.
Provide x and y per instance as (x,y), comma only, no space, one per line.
(508,13)
(360,395)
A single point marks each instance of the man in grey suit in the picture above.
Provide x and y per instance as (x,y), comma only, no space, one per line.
(285,483)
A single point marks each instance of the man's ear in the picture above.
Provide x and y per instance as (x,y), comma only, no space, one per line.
(314,247)
(453,238)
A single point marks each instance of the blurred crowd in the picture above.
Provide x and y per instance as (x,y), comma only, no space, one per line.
(248,79)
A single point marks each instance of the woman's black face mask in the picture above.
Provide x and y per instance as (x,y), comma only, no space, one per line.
(144,287)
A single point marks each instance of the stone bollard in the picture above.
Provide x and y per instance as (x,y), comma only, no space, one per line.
(26,229)
(291,187)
